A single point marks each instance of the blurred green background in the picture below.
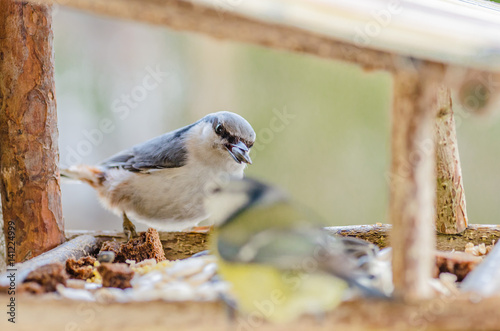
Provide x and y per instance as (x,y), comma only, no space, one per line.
(333,155)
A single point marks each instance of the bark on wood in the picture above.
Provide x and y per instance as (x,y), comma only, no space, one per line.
(412,178)
(379,235)
(76,248)
(485,279)
(176,245)
(3,248)
(31,197)
(439,315)
(450,196)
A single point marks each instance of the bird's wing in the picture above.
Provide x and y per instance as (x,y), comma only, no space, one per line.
(302,249)
(165,151)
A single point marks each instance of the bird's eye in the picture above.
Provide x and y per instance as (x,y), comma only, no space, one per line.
(219,129)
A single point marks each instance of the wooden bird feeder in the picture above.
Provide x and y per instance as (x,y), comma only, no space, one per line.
(433,49)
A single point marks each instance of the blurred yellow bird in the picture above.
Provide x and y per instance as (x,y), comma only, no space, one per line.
(279,260)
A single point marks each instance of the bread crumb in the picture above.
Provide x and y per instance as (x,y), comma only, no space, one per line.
(478,250)
(47,276)
(115,275)
(81,268)
(147,246)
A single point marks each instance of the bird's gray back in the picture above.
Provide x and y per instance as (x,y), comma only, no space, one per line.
(165,151)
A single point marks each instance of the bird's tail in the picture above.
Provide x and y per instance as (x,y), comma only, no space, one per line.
(90,175)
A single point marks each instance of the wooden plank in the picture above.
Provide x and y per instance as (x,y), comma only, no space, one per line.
(29,173)
(36,313)
(176,247)
(379,235)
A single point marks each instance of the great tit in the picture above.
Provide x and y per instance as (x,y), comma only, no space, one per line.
(277,256)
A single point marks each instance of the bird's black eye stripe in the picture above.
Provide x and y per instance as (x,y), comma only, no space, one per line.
(221,131)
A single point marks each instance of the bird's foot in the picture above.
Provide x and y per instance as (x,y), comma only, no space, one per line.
(129,228)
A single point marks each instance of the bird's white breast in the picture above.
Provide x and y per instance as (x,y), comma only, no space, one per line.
(168,199)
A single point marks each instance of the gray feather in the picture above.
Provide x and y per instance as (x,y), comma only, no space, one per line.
(165,151)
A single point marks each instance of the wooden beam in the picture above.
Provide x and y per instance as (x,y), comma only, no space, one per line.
(385,28)
(43,313)
(179,245)
(450,195)
(29,175)
(190,16)
(379,235)
(412,177)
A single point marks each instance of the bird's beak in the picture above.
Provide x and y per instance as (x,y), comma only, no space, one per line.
(239,152)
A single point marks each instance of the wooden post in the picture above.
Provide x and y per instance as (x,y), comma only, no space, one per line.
(450,195)
(29,175)
(412,180)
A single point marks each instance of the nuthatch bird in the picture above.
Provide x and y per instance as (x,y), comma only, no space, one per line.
(163,182)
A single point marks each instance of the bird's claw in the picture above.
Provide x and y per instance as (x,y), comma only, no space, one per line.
(129,228)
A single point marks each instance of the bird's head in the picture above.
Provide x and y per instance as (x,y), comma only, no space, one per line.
(229,135)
